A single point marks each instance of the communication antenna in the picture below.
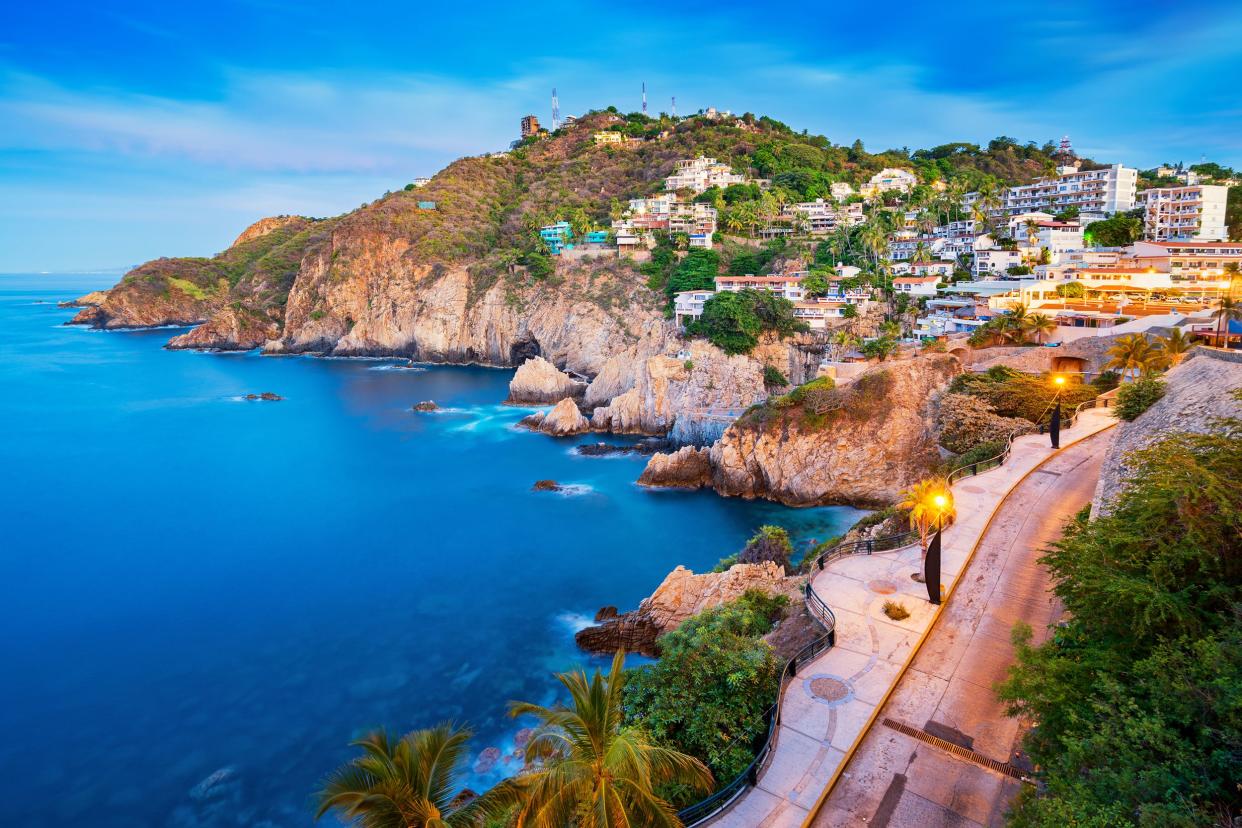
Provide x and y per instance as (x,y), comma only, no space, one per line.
(644,97)
(674,106)
(556,110)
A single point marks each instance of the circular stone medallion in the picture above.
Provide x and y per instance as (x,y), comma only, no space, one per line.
(829,689)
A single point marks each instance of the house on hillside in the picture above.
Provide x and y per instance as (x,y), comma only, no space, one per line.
(557,237)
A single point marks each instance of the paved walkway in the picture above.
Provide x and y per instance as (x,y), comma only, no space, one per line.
(828,708)
(894,779)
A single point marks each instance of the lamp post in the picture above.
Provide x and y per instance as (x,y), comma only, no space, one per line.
(931,563)
(1054,428)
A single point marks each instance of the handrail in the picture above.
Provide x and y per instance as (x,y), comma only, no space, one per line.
(980,466)
(701,811)
(865,547)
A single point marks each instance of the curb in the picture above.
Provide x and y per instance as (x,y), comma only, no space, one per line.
(918,645)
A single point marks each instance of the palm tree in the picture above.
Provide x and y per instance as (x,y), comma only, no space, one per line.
(1227,310)
(1175,345)
(406,784)
(930,504)
(1134,356)
(586,769)
(1040,324)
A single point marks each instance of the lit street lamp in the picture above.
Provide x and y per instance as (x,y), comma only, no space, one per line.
(940,511)
(1054,428)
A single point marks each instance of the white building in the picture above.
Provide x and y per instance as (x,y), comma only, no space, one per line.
(1094,192)
(916,285)
(421,182)
(698,174)
(995,261)
(688,304)
(821,217)
(1194,213)
(840,190)
(891,179)
(940,268)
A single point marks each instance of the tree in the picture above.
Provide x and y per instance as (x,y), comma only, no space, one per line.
(587,769)
(1133,355)
(1039,324)
(406,784)
(1175,345)
(697,271)
(729,322)
(879,348)
(1136,397)
(840,344)
(930,504)
(1071,290)
(1137,692)
(1117,231)
(816,282)
(770,543)
(1227,310)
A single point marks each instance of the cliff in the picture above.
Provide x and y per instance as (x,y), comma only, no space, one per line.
(1198,392)
(538,381)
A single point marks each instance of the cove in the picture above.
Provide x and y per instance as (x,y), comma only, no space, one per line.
(206,598)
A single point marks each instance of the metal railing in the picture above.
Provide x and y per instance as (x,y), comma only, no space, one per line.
(980,466)
(865,547)
(701,811)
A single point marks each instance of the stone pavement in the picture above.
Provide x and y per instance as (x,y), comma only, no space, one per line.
(829,707)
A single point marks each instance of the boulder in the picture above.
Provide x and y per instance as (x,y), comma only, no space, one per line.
(564,420)
(546,486)
(687,468)
(266,396)
(538,381)
(425,405)
(681,595)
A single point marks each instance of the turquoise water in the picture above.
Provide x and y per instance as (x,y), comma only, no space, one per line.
(196,584)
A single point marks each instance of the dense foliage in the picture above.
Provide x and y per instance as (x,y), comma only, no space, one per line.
(1117,231)
(1138,696)
(1031,397)
(716,677)
(734,321)
(1134,398)
(770,543)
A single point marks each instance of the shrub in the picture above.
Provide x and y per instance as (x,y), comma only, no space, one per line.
(770,543)
(1107,381)
(967,421)
(896,611)
(773,377)
(688,365)
(1137,694)
(707,694)
(1136,397)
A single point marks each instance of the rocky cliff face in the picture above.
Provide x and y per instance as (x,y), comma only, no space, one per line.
(706,380)
(537,381)
(681,595)
(689,467)
(564,420)
(1197,392)
(860,445)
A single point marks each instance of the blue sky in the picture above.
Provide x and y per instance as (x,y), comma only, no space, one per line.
(131,130)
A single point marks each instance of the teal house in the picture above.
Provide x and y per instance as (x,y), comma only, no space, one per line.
(557,237)
(597,237)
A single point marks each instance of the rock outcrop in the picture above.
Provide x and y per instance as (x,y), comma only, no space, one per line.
(689,467)
(539,382)
(705,382)
(229,329)
(680,596)
(1198,392)
(266,225)
(860,445)
(95,297)
(966,421)
(564,420)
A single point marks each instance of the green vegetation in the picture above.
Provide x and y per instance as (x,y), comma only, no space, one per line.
(1072,290)
(707,694)
(1117,231)
(770,543)
(1138,694)
(1013,394)
(773,377)
(189,288)
(404,784)
(816,404)
(587,767)
(734,321)
(896,611)
(1136,397)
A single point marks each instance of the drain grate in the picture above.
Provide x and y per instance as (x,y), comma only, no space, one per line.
(957,750)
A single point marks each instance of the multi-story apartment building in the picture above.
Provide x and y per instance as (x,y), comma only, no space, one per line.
(840,190)
(530,126)
(1096,193)
(821,217)
(692,218)
(1192,213)
(890,179)
(697,174)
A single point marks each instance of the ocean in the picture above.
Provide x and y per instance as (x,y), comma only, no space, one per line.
(206,598)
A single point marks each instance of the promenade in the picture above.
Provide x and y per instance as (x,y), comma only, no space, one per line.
(829,707)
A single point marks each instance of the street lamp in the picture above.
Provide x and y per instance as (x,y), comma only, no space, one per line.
(940,511)
(1054,428)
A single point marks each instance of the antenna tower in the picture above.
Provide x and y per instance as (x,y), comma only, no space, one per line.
(674,106)
(556,111)
(644,97)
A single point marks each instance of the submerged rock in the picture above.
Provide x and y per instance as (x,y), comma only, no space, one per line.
(425,405)
(539,381)
(681,595)
(648,446)
(686,468)
(547,486)
(267,396)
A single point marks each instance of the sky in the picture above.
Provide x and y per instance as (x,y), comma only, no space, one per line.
(132,130)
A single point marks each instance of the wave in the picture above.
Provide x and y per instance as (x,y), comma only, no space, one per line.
(574,621)
(402,367)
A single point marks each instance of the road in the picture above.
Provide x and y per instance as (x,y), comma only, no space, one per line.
(899,780)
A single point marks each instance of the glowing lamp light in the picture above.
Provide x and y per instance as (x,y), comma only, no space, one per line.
(1059,380)
(940,500)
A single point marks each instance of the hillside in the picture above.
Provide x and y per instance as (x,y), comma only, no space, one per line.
(467,280)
